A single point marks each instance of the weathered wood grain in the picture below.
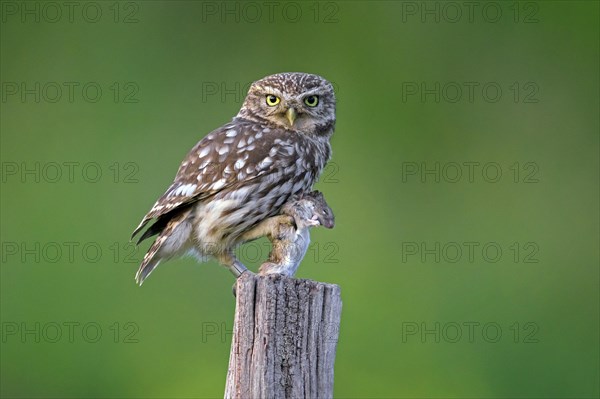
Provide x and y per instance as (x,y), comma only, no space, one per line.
(284,338)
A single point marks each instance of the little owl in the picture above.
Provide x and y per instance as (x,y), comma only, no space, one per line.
(244,172)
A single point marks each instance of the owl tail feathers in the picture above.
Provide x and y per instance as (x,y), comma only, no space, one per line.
(150,260)
(173,236)
(145,270)
(143,223)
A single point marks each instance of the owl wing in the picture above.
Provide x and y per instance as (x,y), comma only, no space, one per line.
(230,156)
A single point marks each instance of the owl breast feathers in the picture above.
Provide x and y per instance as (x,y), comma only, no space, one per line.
(243,172)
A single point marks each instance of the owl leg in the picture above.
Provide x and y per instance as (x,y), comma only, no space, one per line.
(236,268)
(270,268)
(229,260)
(267,227)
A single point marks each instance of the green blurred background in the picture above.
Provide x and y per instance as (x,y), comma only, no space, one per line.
(170,72)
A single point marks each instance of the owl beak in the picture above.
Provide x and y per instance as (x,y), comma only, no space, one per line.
(291,116)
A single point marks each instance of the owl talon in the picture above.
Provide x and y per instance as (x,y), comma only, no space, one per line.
(313,223)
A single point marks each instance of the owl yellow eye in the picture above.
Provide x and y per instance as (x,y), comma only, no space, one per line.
(311,101)
(272,100)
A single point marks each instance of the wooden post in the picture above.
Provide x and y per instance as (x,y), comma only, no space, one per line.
(284,338)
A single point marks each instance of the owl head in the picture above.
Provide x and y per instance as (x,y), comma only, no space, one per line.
(294,101)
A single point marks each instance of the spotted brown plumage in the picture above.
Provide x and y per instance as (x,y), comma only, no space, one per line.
(244,171)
